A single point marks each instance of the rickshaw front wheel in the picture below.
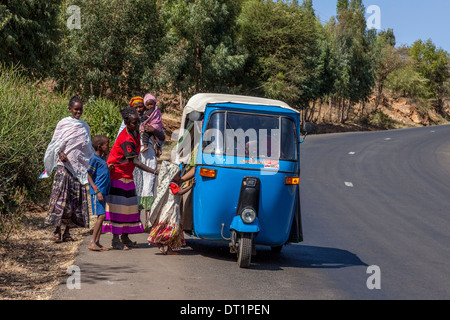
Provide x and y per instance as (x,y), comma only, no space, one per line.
(245,250)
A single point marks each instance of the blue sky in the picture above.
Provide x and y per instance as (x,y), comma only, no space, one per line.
(411,20)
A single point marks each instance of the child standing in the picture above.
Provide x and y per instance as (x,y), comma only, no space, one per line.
(165,214)
(99,186)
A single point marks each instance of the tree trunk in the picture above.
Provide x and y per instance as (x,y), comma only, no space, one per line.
(379,95)
(347,112)
(198,66)
(311,111)
(319,111)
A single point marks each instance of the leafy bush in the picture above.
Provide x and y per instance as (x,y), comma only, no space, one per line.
(408,83)
(381,120)
(103,117)
(29,112)
(28,116)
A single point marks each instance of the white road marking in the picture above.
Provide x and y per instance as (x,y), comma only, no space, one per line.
(348,184)
(352,152)
(387,139)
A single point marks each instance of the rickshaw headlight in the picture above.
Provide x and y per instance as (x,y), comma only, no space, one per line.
(248,215)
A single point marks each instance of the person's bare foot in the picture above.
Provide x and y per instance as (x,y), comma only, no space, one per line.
(94,247)
(171,252)
(161,249)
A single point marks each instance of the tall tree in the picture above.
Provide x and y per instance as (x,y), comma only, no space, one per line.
(351,45)
(433,64)
(386,59)
(201,50)
(117,43)
(29,34)
(282,41)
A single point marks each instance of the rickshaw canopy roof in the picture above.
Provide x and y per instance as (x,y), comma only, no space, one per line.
(199,102)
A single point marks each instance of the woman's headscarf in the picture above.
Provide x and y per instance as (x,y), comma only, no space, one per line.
(72,136)
(136,100)
(148,97)
(155,119)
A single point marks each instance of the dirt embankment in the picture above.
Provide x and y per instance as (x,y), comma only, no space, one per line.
(412,113)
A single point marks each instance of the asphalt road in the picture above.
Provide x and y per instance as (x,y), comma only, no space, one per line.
(368,199)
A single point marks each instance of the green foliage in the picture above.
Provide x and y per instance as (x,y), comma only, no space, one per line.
(117,44)
(277,49)
(29,34)
(103,117)
(380,120)
(407,82)
(29,113)
(352,49)
(282,41)
(386,60)
(200,53)
(433,64)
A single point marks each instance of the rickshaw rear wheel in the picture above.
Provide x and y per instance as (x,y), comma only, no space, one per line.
(245,250)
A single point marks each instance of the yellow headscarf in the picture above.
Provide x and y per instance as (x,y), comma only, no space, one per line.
(136,100)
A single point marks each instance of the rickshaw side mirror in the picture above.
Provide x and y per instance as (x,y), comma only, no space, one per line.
(195,116)
(308,128)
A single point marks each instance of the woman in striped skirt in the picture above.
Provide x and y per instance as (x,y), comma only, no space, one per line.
(69,152)
(122,212)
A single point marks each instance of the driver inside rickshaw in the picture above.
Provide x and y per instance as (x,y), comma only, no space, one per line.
(266,146)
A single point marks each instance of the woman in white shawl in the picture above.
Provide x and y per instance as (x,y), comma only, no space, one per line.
(69,153)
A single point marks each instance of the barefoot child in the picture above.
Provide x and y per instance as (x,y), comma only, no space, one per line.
(99,186)
(167,230)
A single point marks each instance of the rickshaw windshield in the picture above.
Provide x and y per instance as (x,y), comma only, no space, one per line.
(250,135)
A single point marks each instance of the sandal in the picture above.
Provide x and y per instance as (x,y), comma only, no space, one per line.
(67,237)
(94,248)
(127,242)
(117,245)
(57,237)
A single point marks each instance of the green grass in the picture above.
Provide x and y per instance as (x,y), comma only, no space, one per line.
(29,112)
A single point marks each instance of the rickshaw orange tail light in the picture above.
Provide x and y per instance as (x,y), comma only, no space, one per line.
(292,180)
(210,173)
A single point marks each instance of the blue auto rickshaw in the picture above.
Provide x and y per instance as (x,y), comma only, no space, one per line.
(244,152)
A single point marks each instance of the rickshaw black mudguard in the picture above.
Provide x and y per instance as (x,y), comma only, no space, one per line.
(216,199)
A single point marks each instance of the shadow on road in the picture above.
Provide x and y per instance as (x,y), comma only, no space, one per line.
(292,256)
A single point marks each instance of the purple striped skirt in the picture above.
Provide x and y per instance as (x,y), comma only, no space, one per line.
(122,212)
(68,201)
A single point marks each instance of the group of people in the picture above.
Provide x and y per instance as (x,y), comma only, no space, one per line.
(121,180)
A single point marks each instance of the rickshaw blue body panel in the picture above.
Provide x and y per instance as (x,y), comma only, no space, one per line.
(240,226)
(215,200)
